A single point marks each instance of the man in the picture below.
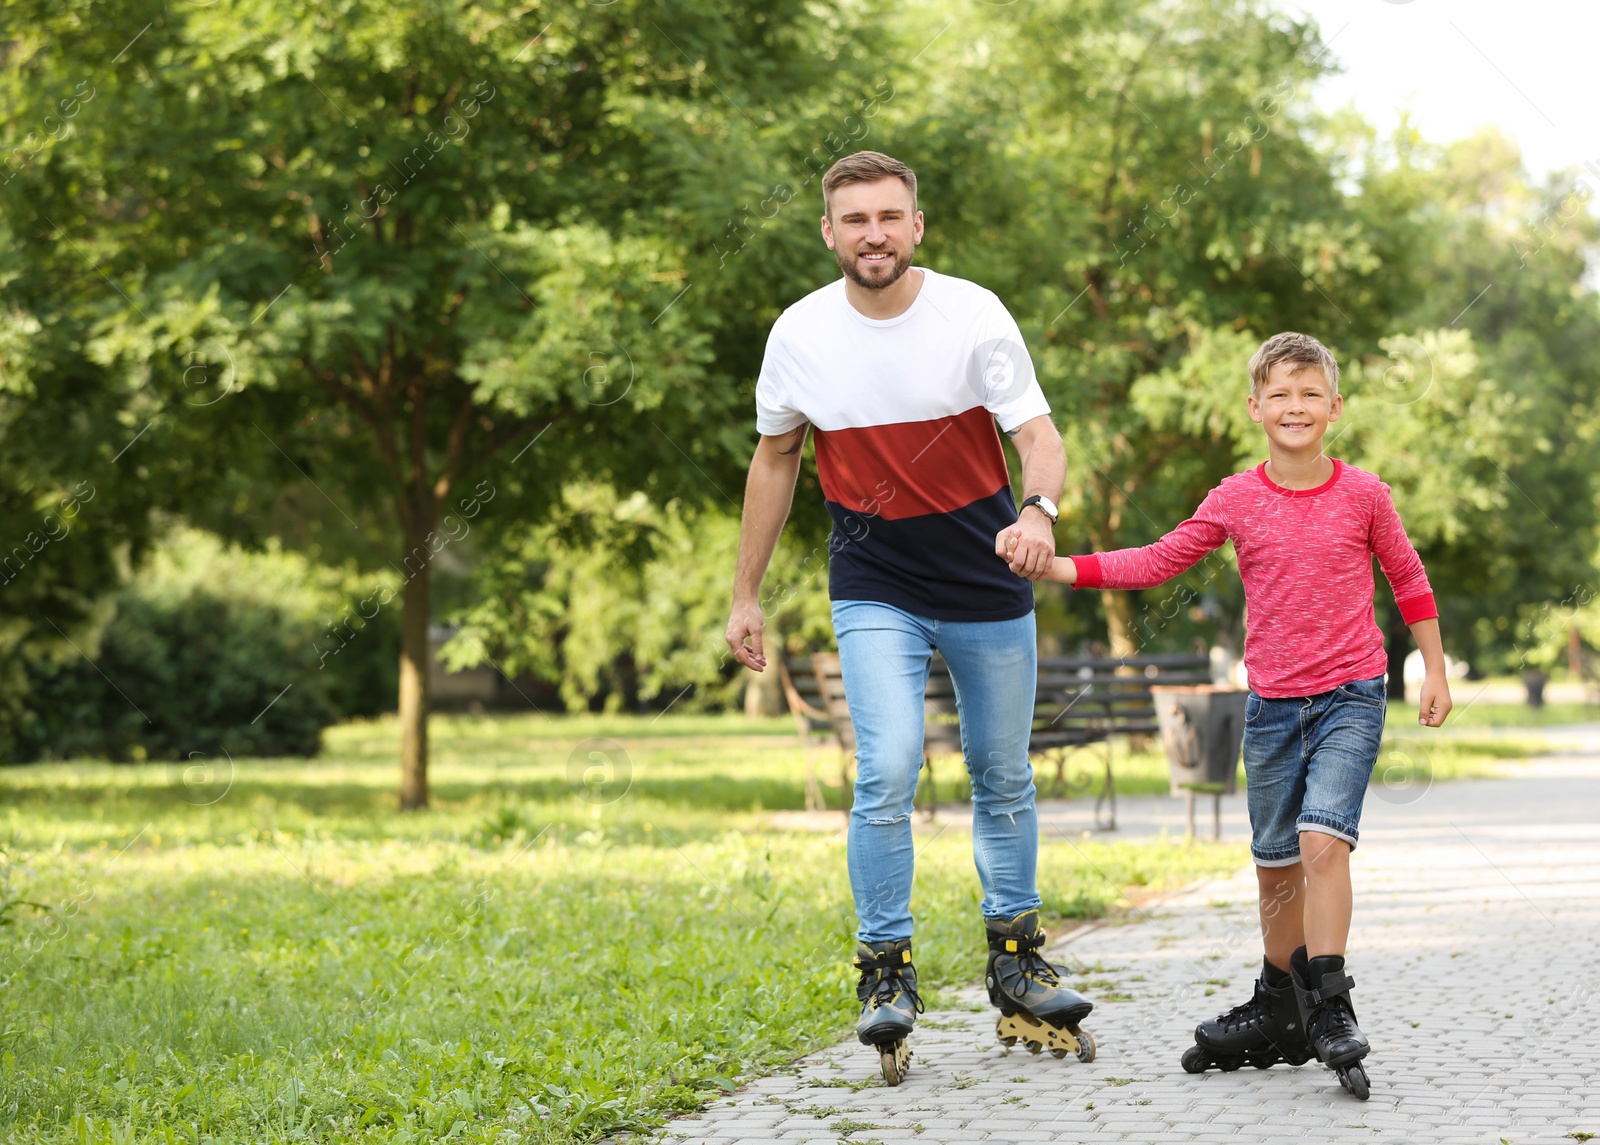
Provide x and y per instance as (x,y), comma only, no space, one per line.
(902,373)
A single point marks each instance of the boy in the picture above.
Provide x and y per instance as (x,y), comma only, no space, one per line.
(1305,529)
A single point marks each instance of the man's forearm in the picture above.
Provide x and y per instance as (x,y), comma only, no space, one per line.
(1044,464)
(768,494)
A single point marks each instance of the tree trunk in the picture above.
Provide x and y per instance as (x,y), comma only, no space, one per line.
(1399,646)
(763,691)
(1119,622)
(415,657)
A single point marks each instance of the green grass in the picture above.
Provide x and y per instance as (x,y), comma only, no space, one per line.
(581,937)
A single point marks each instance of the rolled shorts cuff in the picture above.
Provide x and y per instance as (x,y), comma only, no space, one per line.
(1326,824)
(1276,859)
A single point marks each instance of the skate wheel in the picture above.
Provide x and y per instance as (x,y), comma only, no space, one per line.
(1008,1040)
(1086,1046)
(1193,1060)
(1058,1054)
(1354,1078)
(1035,1047)
(1228,1065)
(894,1060)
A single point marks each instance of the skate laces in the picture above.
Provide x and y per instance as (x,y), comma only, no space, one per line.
(1245,1014)
(1031,967)
(1337,1017)
(886,976)
(891,984)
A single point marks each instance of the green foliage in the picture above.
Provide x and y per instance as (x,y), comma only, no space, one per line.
(211,650)
(622,599)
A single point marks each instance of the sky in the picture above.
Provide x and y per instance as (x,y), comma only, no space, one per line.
(1457,65)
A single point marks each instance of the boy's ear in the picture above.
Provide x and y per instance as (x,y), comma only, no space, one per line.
(1335,407)
(1255,408)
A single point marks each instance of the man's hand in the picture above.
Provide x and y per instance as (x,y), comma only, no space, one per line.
(1029,546)
(746,622)
(1434,703)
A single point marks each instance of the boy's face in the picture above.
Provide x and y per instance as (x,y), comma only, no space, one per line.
(1295,406)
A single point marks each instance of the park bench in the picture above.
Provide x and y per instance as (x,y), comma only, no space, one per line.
(814,687)
(1079,701)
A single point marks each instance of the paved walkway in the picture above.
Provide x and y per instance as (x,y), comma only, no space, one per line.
(1476,953)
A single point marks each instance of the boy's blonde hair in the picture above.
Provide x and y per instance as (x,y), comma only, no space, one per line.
(1302,350)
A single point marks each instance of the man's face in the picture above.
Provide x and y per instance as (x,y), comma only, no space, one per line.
(1295,406)
(872,231)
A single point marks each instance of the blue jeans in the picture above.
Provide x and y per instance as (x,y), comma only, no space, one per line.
(1307,763)
(885,653)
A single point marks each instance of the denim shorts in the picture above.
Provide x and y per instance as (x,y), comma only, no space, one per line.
(1307,762)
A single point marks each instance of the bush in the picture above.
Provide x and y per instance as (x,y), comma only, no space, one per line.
(212,649)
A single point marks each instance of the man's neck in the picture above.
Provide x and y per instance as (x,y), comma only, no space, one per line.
(890,302)
(1302,469)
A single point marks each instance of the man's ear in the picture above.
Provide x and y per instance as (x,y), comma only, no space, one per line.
(917,228)
(827,232)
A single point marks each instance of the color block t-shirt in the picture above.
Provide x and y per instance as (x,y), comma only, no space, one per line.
(904,413)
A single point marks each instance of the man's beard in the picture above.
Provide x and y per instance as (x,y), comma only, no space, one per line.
(849,265)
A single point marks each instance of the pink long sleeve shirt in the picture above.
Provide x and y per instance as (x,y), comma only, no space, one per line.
(1305,557)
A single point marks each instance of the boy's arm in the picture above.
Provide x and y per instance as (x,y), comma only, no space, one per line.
(1413,596)
(1435,699)
(1144,567)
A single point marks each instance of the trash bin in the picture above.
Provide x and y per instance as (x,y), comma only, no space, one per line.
(1202,728)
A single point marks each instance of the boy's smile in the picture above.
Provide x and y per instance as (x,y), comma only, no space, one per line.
(1295,406)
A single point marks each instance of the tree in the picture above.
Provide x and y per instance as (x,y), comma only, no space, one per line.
(1128,178)
(440,248)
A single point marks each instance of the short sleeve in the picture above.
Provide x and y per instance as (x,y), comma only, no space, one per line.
(1003,369)
(775,411)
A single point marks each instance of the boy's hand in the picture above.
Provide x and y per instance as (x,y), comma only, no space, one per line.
(1434,701)
(1028,546)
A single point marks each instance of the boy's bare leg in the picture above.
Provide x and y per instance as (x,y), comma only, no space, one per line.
(1326,861)
(1283,911)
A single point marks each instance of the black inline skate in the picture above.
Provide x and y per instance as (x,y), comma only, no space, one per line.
(1262,1032)
(889,1003)
(1322,989)
(1034,1007)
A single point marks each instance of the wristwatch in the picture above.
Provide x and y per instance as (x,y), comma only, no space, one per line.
(1046,506)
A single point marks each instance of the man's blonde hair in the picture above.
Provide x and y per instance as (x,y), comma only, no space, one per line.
(866,167)
(1302,350)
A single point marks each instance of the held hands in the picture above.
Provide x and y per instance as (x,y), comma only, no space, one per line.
(1434,703)
(1028,546)
(746,622)
(1056,568)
